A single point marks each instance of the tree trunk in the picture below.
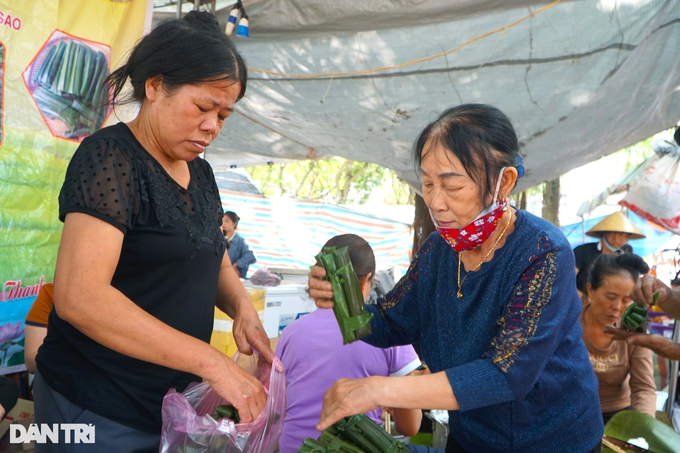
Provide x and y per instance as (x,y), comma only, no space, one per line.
(523,201)
(310,170)
(341,183)
(422,224)
(282,188)
(312,185)
(345,184)
(551,201)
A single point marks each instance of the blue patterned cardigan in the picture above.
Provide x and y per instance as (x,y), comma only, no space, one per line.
(511,347)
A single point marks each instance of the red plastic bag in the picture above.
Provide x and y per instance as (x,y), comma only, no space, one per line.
(655,194)
(189,428)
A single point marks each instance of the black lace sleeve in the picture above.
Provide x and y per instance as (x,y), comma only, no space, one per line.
(101,181)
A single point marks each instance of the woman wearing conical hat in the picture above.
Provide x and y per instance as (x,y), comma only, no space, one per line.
(614,232)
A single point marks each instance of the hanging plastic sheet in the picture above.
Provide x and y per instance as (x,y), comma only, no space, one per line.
(655,195)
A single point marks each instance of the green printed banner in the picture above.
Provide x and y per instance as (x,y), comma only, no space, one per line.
(55,56)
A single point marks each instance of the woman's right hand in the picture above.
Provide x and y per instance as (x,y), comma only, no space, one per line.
(349,397)
(645,288)
(319,289)
(237,387)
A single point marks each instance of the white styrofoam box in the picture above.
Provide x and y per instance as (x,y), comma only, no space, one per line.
(283,304)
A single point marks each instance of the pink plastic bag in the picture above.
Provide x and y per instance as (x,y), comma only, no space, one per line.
(189,428)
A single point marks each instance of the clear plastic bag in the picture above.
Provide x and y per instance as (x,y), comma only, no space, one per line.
(189,428)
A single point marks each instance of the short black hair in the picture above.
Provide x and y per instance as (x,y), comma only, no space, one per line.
(480,136)
(606,265)
(626,248)
(232,215)
(185,51)
(360,253)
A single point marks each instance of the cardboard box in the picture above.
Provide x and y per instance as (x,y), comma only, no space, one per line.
(22,411)
(277,307)
(222,337)
(27,446)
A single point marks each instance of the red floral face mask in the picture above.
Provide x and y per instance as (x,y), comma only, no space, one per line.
(477,231)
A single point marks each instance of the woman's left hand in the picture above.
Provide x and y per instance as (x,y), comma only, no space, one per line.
(249,334)
(349,397)
(662,346)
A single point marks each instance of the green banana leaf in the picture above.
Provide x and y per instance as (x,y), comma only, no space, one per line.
(352,288)
(355,434)
(87,72)
(350,312)
(63,69)
(50,78)
(45,66)
(627,425)
(78,70)
(635,318)
(340,308)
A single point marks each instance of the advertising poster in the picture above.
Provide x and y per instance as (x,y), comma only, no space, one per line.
(54,58)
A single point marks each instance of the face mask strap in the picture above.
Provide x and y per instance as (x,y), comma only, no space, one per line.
(434,222)
(608,245)
(498,186)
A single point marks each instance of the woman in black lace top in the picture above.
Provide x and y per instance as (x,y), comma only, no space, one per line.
(141,263)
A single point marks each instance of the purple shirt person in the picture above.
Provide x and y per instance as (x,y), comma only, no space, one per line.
(314,357)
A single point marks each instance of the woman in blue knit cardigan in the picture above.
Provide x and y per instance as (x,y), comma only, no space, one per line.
(491,297)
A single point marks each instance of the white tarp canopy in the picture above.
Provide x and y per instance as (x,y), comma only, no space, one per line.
(579,79)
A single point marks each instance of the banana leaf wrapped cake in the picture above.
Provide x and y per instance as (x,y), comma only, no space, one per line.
(355,434)
(348,299)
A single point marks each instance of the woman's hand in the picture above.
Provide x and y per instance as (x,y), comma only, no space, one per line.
(662,346)
(645,288)
(233,299)
(249,333)
(349,397)
(319,289)
(238,388)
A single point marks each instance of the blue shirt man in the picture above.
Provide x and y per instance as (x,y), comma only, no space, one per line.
(239,253)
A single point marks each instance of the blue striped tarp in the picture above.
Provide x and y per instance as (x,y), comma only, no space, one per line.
(288,233)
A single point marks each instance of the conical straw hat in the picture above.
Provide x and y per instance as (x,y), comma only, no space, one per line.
(616,223)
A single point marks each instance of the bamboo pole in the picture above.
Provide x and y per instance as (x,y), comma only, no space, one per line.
(673,384)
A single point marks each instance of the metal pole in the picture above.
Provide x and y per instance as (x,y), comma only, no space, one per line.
(179,9)
(673,384)
(197,4)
